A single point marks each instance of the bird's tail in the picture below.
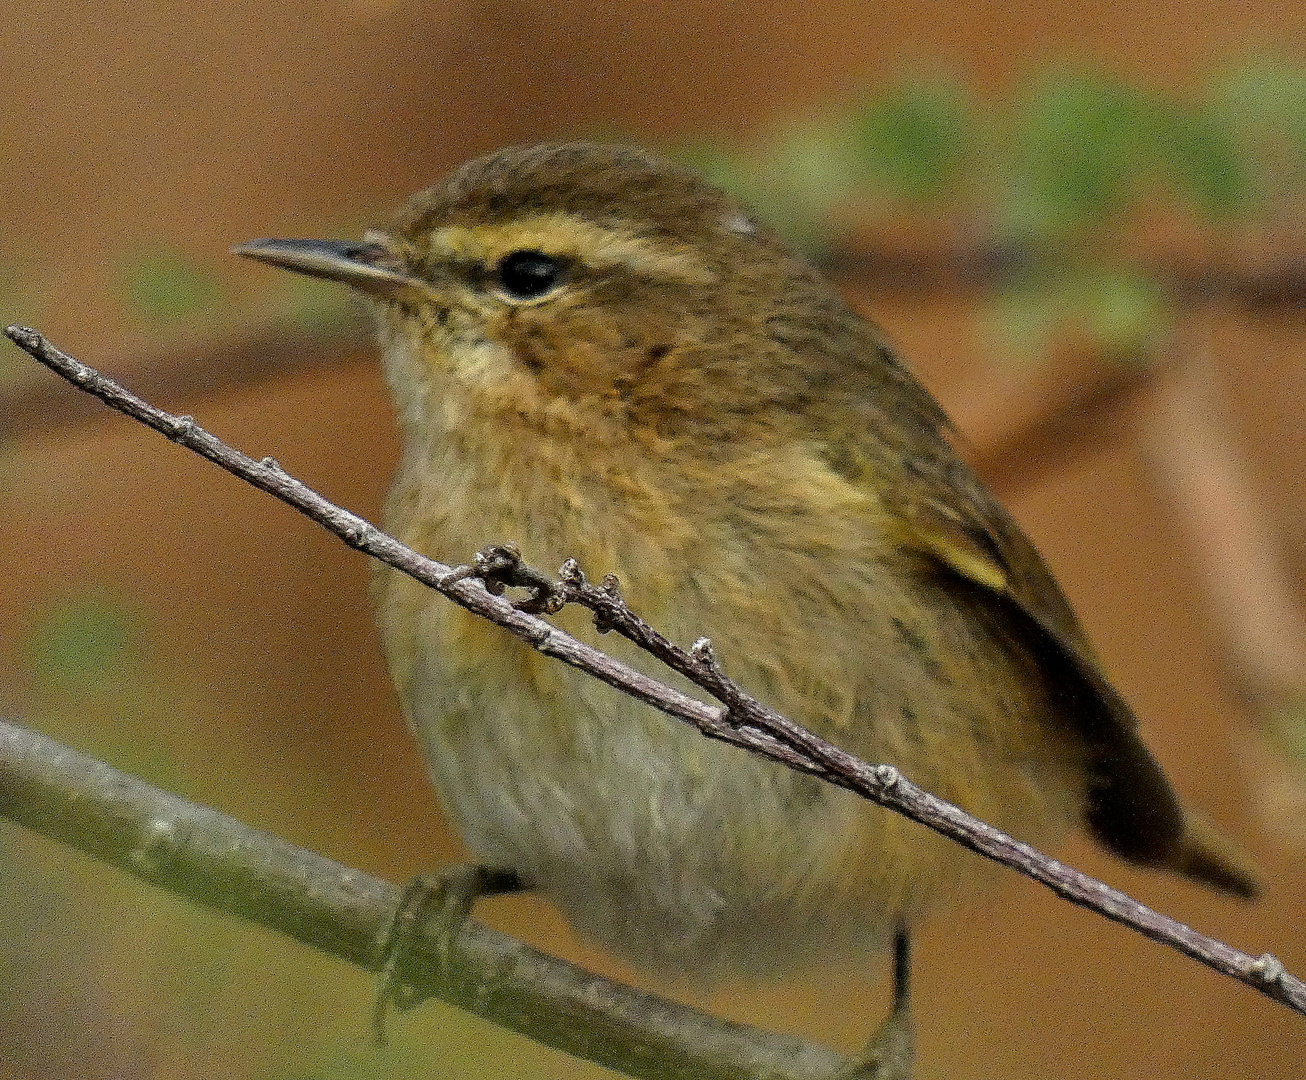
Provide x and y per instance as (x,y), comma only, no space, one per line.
(1207,856)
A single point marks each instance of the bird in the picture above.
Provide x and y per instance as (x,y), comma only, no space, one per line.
(596,355)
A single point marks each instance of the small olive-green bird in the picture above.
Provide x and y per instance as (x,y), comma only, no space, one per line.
(596,355)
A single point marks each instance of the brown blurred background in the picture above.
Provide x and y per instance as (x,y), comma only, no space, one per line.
(189,629)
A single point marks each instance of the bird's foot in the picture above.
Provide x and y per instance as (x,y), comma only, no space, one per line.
(892,1050)
(435,905)
(890,1053)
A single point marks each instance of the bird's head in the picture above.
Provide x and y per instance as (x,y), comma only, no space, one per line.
(593,289)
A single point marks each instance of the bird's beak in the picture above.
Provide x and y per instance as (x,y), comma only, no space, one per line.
(367,266)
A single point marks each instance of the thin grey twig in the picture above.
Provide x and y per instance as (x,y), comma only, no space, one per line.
(216,860)
(740,720)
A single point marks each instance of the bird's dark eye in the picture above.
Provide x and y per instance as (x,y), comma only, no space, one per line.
(528,275)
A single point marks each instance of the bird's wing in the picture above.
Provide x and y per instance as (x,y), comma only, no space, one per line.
(946,516)
(886,432)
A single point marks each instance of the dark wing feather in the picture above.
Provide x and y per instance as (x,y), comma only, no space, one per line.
(948,517)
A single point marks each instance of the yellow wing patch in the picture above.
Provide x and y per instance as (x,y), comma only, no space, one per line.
(932,530)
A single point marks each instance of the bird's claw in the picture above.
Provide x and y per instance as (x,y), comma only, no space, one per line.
(431,905)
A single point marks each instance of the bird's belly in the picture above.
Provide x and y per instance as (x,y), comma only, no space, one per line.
(678,852)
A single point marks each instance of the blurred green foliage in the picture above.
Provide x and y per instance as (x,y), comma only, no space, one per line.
(84,640)
(94,672)
(1266,100)
(1053,175)
(1286,726)
(1073,150)
(1123,311)
(163,288)
(915,139)
(166,290)
(305,304)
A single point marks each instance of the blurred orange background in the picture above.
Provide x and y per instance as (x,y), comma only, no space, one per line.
(187,628)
